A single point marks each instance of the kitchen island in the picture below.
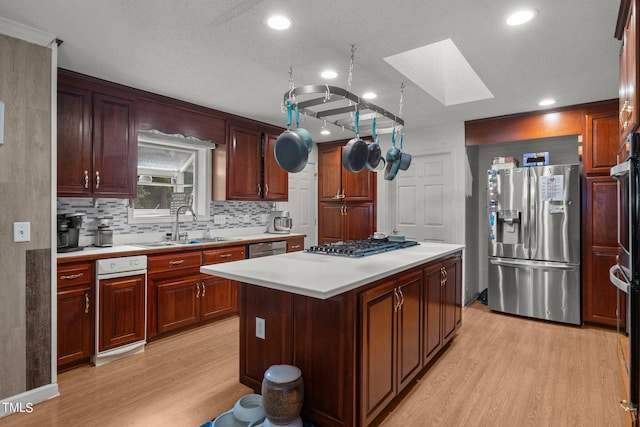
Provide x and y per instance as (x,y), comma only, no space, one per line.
(360,329)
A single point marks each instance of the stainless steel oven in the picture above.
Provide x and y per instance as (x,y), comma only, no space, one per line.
(625,275)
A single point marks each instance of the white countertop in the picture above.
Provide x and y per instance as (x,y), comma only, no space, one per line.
(122,249)
(324,276)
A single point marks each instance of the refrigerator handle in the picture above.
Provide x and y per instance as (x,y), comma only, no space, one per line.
(617,282)
(531,238)
(533,264)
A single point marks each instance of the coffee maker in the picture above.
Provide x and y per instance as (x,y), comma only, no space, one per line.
(279,222)
(69,232)
(104,235)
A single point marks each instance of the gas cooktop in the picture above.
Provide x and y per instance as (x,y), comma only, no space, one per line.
(358,248)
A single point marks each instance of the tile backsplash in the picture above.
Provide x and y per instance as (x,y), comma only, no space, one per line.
(237,215)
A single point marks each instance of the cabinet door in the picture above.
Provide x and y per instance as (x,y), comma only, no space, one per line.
(628,76)
(329,173)
(115,147)
(244,164)
(450,294)
(360,221)
(121,311)
(409,328)
(75,324)
(276,179)
(432,312)
(331,218)
(378,364)
(359,186)
(601,142)
(74,141)
(178,302)
(600,247)
(218,297)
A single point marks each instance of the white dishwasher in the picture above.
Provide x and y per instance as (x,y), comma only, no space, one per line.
(121,307)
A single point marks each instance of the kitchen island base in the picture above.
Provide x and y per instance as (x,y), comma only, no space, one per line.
(357,350)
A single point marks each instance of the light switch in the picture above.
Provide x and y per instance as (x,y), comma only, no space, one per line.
(260,327)
(219,219)
(21,231)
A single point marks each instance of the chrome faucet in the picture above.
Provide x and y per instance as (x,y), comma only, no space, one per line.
(176,235)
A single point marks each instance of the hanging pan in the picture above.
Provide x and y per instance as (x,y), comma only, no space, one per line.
(393,159)
(293,146)
(405,158)
(356,153)
(374,158)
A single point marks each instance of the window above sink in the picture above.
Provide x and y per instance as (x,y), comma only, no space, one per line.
(172,170)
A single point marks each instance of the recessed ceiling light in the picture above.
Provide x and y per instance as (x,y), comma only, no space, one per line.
(547,102)
(279,22)
(328,74)
(369,95)
(325,132)
(520,17)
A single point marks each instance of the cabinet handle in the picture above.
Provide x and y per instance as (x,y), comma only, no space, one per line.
(259,190)
(266,190)
(178,262)
(337,196)
(225,255)
(342,196)
(625,119)
(97,179)
(204,290)
(295,246)
(86,179)
(396,297)
(86,303)
(197,290)
(71,276)
(401,298)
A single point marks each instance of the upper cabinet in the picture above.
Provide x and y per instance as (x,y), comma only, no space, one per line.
(626,31)
(245,169)
(600,139)
(97,141)
(336,184)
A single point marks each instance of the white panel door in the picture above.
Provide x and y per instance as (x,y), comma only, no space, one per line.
(302,204)
(424,208)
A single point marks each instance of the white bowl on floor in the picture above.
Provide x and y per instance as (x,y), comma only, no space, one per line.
(249,408)
(228,420)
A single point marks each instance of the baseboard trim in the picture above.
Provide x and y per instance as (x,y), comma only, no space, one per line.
(24,402)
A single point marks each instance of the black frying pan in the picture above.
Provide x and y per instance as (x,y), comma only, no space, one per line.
(356,153)
(293,146)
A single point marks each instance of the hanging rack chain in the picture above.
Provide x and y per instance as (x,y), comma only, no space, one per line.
(350,77)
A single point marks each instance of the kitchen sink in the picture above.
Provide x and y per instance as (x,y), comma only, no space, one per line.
(214,240)
(160,244)
(174,243)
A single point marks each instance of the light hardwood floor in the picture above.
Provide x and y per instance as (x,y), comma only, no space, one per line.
(499,371)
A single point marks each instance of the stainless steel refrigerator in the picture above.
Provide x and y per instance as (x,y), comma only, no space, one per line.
(534,242)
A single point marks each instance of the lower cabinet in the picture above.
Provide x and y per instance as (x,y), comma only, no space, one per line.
(76,315)
(180,296)
(391,337)
(381,336)
(121,310)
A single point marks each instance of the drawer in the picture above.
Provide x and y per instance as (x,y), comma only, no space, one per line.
(75,274)
(181,261)
(295,245)
(216,256)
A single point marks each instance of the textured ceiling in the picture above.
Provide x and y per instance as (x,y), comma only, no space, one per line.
(220,54)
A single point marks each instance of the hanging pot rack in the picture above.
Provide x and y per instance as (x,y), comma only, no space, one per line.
(337,105)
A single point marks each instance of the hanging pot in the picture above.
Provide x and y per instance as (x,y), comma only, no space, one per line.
(292,147)
(356,153)
(405,158)
(394,155)
(374,157)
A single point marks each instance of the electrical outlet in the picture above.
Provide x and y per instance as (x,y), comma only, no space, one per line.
(260,327)
(219,219)
(21,231)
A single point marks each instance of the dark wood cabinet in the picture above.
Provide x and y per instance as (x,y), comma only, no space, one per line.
(627,31)
(76,315)
(295,245)
(600,248)
(97,141)
(180,296)
(345,221)
(121,311)
(337,184)
(246,169)
(346,200)
(600,141)
(442,305)
(376,334)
